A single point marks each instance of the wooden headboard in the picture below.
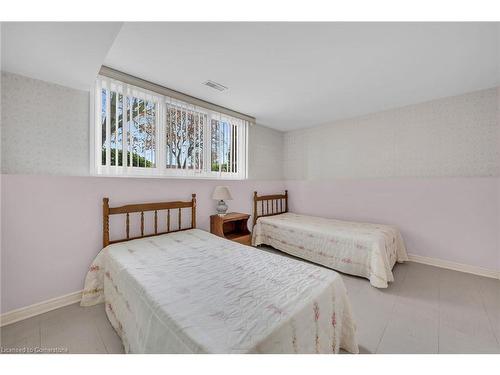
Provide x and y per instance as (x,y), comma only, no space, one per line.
(269,205)
(145,207)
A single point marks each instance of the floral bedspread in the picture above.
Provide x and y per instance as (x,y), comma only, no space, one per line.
(193,292)
(367,250)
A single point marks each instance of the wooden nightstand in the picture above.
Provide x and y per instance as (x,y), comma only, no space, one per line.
(232,226)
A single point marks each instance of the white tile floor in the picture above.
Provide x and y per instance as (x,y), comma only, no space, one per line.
(426,310)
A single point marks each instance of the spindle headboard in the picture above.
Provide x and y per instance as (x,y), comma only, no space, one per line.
(145,207)
(274,205)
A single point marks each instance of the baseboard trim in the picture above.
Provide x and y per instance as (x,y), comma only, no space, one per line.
(68,299)
(39,308)
(441,263)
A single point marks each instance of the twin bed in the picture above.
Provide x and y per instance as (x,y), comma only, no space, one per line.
(188,291)
(185,290)
(360,249)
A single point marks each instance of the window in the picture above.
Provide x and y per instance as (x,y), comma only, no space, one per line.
(184,138)
(142,133)
(223,140)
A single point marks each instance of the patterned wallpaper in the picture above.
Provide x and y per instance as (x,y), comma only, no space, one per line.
(45,127)
(265,157)
(45,130)
(455,136)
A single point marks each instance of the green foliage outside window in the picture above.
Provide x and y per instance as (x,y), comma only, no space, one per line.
(137,160)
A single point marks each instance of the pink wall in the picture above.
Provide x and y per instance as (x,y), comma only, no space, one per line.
(52,225)
(455,219)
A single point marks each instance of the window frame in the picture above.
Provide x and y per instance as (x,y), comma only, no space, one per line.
(160,169)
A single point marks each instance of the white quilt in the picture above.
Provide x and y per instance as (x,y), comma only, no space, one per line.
(193,292)
(367,250)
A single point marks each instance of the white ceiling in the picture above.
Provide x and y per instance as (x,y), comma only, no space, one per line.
(287,75)
(66,53)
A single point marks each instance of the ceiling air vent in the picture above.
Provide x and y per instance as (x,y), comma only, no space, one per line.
(215,85)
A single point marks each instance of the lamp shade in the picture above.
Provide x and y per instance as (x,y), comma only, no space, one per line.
(222,193)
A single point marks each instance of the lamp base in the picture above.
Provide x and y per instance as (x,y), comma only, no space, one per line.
(221,208)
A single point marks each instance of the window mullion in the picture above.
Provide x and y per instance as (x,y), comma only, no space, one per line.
(219,156)
(108,126)
(130,128)
(160,147)
(116,127)
(174,128)
(244,151)
(124,122)
(195,140)
(98,127)
(208,142)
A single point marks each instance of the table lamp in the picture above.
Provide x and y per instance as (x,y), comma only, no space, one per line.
(221,193)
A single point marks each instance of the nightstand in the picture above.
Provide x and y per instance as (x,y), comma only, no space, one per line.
(232,226)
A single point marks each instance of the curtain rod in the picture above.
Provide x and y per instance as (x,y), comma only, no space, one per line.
(142,83)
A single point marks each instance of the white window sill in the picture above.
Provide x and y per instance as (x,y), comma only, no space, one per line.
(140,173)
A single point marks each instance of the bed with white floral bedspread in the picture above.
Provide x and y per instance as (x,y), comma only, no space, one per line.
(361,249)
(193,292)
